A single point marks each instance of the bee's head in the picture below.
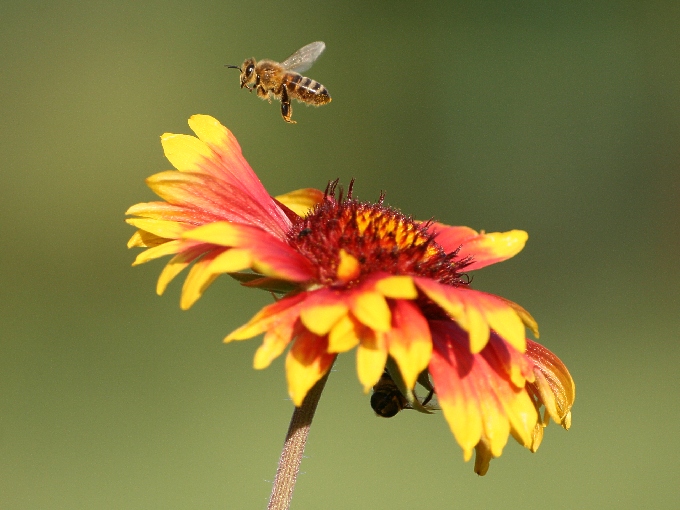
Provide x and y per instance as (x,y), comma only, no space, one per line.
(248,72)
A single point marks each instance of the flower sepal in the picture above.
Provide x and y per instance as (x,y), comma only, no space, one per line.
(257,281)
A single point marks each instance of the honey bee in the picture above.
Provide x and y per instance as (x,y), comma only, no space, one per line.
(284,81)
(387,400)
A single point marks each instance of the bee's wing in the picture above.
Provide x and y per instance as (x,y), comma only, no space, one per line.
(303,58)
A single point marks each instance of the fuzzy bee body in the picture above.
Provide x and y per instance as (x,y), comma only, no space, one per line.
(283,80)
(387,399)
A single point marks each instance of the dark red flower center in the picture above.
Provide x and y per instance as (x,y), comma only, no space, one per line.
(380,238)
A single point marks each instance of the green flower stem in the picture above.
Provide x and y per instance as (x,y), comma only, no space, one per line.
(294,447)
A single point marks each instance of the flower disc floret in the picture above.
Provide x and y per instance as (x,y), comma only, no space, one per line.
(381,239)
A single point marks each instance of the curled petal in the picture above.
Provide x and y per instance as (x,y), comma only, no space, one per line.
(554,386)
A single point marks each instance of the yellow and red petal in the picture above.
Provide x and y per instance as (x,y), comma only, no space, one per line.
(213,164)
(185,152)
(271,257)
(198,280)
(526,317)
(160,228)
(176,264)
(234,171)
(451,368)
(191,191)
(371,358)
(281,310)
(370,308)
(485,249)
(301,201)
(233,168)
(276,339)
(517,365)
(477,312)
(397,287)
(206,199)
(495,423)
(319,317)
(170,212)
(217,137)
(308,361)
(167,248)
(231,260)
(409,341)
(344,335)
(204,195)
(477,397)
(144,239)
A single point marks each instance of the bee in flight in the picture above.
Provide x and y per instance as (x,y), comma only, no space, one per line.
(284,81)
(387,399)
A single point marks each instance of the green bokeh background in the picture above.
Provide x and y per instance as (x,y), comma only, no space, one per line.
(560,118)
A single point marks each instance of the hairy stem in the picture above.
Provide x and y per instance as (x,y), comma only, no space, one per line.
(294,447)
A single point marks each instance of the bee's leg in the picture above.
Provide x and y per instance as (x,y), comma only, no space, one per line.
(262,93)
(428,398)
(286,108)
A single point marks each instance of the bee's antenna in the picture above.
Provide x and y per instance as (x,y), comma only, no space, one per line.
(233,67)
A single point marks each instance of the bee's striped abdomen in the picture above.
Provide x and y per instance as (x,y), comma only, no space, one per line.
(305,89)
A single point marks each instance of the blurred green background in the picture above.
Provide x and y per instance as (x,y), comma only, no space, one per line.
(560,118)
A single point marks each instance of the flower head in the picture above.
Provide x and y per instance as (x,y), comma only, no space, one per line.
(358,275)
